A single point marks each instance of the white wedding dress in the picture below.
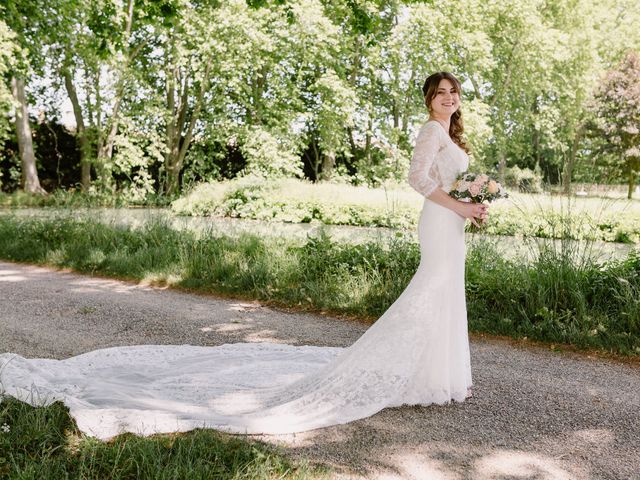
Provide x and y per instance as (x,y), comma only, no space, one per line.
(417,352)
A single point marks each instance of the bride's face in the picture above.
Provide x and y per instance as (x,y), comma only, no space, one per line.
(446,100)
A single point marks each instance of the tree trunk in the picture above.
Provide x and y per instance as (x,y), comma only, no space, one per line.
(315,163)
(352,145)
(30,180)
(367,141)
(105,143)
(536,133)
(632,181)
(177,146)
(506,81)
(476,88)
(407,104)
(502,167)
(329,161)
(566,175)
(570,164)
(81,134)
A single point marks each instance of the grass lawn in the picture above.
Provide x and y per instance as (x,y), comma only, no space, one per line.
(44,444)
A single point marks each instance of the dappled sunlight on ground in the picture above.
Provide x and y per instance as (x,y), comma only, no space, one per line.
(444,461)
(245,307)
(597,436)
(87,285)
(498,465)
(416,467)
(264,336)
(516,465)
(234,326)
(11,276)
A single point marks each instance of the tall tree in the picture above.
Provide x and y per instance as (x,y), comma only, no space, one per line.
(618,110)
(188,63)
(26,21)
(98,58)
(9,52)
(30,180)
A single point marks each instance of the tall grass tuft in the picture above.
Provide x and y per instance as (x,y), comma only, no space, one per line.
(559,292)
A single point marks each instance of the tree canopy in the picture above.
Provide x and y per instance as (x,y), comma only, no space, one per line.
(163,93)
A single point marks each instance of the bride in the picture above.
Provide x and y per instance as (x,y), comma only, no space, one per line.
(417,352)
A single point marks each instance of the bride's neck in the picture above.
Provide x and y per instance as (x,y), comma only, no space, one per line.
(445,122)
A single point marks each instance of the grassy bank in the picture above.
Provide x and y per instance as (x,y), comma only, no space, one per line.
(44,443)
(297,201)
(530,215)
(78,199)
(558,297)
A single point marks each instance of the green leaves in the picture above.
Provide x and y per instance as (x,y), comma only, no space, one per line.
(618,111)
(326,84)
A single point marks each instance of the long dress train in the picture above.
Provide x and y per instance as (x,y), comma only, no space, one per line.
(417,352)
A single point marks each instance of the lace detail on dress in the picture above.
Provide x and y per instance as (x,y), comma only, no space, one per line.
(423,173)
(436,160)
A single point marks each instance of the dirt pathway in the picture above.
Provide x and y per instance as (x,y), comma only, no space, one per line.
(535,414)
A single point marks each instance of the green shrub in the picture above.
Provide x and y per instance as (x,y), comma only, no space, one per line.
(78,199)
(523,179)
(256,199)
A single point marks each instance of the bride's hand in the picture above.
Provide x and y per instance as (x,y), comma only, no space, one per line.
(474,212)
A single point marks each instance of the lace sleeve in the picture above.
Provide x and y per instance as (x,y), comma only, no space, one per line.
(423,175)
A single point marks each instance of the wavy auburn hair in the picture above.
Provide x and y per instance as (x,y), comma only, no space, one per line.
(430,89)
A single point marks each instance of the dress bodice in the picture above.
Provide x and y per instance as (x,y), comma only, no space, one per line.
(437,160)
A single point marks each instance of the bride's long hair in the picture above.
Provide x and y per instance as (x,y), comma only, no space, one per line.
(430,88)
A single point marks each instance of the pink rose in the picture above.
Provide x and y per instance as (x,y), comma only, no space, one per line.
(474,189)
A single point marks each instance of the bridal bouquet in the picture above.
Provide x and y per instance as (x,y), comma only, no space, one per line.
(477,188)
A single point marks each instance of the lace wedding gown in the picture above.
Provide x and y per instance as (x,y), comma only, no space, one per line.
(417,352)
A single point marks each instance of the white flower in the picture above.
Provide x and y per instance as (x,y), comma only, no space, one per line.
(5,428)
(632,152)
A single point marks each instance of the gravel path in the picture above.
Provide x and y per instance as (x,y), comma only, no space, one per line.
(535,413)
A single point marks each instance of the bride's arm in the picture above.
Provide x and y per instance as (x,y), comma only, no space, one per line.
(466,210)
(422,175)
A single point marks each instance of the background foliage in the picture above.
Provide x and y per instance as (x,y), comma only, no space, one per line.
(168,93)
